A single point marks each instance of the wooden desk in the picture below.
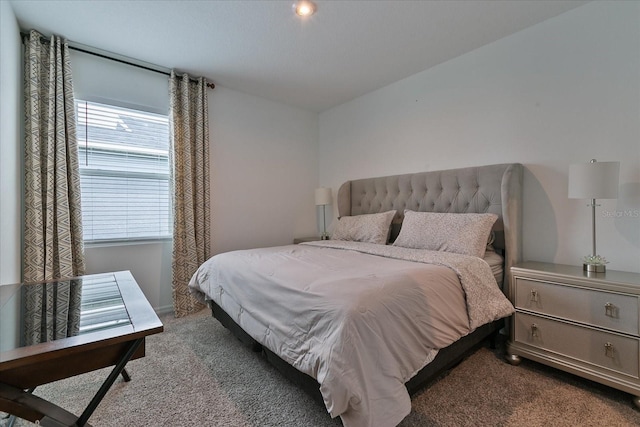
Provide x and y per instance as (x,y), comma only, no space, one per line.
(110,326)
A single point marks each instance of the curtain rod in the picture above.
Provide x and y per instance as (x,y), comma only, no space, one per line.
(93,51)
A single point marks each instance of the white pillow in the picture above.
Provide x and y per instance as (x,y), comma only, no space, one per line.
(462,233)
(370,228)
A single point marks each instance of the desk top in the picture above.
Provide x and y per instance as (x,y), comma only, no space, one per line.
(38,318)
(577,272)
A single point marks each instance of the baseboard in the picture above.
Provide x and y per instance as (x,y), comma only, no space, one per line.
(165,309)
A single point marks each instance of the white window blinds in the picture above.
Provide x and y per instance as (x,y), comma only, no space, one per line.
(124,173)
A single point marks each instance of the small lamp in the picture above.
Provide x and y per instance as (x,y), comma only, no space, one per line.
(323,198)
(595,180)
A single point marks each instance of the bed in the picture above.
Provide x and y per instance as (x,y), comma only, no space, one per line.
(401,292)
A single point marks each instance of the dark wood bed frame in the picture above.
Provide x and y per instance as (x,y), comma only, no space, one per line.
(492,188)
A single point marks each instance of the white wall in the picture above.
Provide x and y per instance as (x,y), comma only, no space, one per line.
(561,92)
(10,171)
(264,170)
(10,146)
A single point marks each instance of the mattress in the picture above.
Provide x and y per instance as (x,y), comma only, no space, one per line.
(496,263)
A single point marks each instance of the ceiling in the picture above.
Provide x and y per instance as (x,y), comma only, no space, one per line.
(348,48)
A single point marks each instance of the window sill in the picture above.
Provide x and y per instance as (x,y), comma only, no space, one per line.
(110,243)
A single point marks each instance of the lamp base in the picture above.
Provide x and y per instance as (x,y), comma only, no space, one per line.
(594,268)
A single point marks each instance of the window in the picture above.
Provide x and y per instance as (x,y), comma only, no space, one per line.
(124,173)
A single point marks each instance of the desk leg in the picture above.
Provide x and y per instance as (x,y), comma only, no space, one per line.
(119,369)
(32,408)
(12,418)
(24,404)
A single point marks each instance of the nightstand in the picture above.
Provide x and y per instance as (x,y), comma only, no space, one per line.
(585,324)
(305,239)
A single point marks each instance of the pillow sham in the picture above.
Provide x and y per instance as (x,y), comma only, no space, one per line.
(463,233)
(370,228)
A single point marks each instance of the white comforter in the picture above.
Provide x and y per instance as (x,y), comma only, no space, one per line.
(361,325)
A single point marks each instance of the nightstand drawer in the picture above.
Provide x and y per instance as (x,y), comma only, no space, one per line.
(604,350)
(614,311)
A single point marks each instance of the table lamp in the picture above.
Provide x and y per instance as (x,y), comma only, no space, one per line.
(594,180)
(323,198)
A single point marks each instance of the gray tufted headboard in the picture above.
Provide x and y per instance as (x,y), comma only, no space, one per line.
(493,188)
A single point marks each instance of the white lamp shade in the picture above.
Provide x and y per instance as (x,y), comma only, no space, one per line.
(323,196)
(595,180)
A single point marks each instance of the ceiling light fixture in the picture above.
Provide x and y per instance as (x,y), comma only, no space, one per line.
(304,8)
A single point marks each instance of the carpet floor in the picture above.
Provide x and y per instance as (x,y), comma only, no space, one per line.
(197,374)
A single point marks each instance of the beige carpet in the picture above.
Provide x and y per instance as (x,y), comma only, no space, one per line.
(197,374)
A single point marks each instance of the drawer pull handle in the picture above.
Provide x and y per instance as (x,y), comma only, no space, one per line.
(609,350)
(534,330)
(609,310)
(534,295)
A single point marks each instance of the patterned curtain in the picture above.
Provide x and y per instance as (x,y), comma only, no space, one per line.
(53,246)
(190,177)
